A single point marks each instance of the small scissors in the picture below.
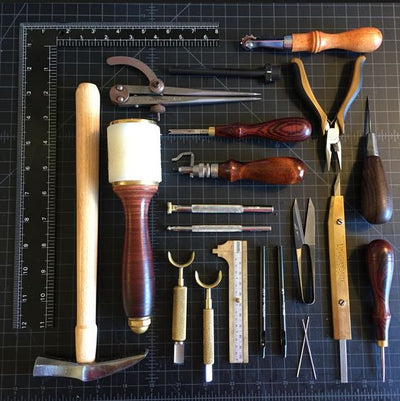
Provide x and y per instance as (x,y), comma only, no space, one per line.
(305,237)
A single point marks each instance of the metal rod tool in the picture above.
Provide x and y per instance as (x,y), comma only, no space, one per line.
(282,302)
(362,40)
(380,263)
(235,254)
(339,276)
(219,228)
(87,177)
(179,310)
(268,73)
(171,208)
(306,342)
(263,299)
(289,129)
(208,327)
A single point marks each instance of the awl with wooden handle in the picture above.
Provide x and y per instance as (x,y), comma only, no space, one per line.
(362,40)
(376,198)
(289,129)
(380,263)
(339,276)
(273,170)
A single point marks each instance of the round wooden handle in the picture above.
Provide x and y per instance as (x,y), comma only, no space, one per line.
(87,98)
(362,40)
(137,261)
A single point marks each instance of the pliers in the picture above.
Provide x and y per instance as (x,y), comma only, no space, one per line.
(157,95)
(335,127)
(306,237)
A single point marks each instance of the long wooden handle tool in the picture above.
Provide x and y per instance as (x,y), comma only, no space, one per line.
(87,198)
(339,276)
(362,40)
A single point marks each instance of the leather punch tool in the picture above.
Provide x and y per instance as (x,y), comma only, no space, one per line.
(335,127)
(301,238)
(157,96)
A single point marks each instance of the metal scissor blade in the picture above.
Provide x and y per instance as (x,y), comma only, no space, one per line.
(170,90)
(297,226)
(309,234)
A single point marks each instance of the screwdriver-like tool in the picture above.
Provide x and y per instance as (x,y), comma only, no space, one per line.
(362,40)
(289,129)
(274,170)
(376,198)
(380,262)
(339,276)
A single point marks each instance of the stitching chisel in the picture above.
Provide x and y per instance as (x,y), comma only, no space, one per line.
(339,276)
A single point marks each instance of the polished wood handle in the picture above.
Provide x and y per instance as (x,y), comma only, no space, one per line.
(380,263)
(137,261)
(362,40)
(274,170)
(376,198)
(288,129)
(87,102)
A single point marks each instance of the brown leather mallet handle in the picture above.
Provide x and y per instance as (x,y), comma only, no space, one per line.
(362,40)
(87,98)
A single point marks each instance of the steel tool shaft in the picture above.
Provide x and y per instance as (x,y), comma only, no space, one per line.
(289,129)
(282,302)
(380,263)
(219,228)
(362,40)
(339,276)
(171,208)
(376,198)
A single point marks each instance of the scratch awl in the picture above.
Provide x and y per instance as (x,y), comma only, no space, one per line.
(361,40)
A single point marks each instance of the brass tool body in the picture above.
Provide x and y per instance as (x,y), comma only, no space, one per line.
(208,326)
(179,310)
(235,254)
(339,276)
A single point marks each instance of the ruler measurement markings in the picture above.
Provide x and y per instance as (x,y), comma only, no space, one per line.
(34,273)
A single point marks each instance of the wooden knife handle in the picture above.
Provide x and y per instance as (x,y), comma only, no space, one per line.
(273,170)
(362,40)
(87,102)
(137,261)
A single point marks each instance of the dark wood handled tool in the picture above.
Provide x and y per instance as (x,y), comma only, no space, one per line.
(376,197)
(289,129)
(380,263)
(134,169)
(273,170)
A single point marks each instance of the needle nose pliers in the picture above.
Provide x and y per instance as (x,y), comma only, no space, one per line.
(335,127)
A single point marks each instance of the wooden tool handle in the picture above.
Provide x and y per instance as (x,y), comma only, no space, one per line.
(338,270)
(274,170)
(137,261)
(179,313)
(289,129)
(376,198)
(380,262)
(360,40)
(87,190)
(208,336)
